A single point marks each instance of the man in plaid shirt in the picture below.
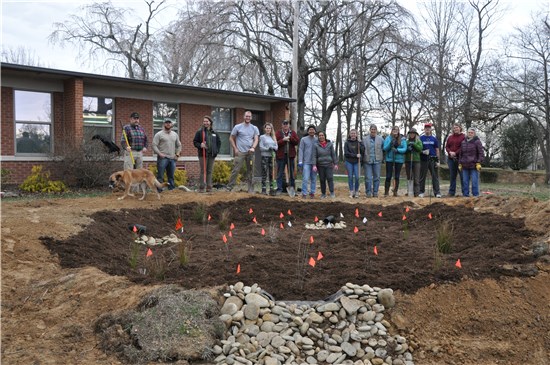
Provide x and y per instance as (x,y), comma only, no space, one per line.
(137,143)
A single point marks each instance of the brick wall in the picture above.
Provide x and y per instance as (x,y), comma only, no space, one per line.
(7,127)
(72,119)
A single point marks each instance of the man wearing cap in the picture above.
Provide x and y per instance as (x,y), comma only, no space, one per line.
(429,160)
(287,140)
(167,146)
(244,140)
(306,162)
(412,160)
(372,161)
(136,145)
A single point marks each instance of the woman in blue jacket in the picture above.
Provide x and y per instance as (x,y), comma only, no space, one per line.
(395,146)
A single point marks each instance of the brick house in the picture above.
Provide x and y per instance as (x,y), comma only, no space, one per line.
(42,108)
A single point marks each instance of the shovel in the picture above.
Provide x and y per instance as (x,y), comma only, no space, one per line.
(410,182)
(290,189)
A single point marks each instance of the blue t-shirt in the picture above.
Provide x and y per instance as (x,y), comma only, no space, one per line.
(429,143)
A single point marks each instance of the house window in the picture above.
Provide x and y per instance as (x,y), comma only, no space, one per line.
(33,122)
(98,117)
(162,111)
(223,123)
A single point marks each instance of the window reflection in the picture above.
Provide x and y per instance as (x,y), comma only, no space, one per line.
(33,116)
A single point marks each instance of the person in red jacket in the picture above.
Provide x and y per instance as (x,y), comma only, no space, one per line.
(287,140)
(452,147)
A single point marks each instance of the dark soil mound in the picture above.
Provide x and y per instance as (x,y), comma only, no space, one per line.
(407,257)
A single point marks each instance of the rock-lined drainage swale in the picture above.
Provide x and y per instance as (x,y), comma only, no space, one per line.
(346,328)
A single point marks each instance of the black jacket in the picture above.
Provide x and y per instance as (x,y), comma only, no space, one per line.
(212,139)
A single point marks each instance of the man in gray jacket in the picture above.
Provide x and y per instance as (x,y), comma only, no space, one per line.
(306,162)
(372,161)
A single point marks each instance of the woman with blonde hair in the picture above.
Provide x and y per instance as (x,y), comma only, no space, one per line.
(268,146)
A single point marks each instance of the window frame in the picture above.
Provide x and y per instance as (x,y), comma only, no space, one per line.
(216,111)
(49,124)
(112,125)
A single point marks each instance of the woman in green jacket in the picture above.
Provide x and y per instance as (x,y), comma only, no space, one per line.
(412,160)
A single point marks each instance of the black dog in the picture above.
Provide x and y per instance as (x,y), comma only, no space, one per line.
(111,146)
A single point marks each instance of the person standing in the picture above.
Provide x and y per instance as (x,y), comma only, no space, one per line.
(208,145)
(167,146)
(395,146)
(325,163)
(353,150)
(306,162)
(372,161)
(429,160)
(287,140)
(136,145)
(469,162)
(412,160)
(244,140)
(268,146)
(453,151)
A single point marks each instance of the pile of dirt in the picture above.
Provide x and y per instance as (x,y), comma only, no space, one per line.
(406,256)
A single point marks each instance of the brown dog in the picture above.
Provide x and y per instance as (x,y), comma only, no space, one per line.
(142,177)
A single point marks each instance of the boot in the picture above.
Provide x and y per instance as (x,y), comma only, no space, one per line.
(396,187)
(387,188)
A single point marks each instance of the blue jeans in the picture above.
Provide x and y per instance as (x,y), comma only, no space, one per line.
(169,165)
(453,174)
(372,178)
(309,177)
(281,163)
(353,176)
(467,175)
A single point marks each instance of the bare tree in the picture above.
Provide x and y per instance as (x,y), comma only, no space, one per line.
(21,56)
(104,31)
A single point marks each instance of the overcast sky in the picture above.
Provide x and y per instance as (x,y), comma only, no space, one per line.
(29,23)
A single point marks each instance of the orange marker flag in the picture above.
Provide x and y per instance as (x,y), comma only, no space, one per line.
(209,217)
(230,234)
(254,220)
(319,256)
(316,219)
(224,239)
(135,229)
(263,232)
(375,251)
(404,217)
(458,264)
(238,268)
(179,224)
(282,225)
(357,212)
(289,212)
(310,239)
(355,230)
(380,214)
(430,216)
(311,262)
(232,226)
(250,211)
(281,215)
(149,252)
(407,209)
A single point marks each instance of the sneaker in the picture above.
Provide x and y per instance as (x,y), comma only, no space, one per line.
(278,192)
(304,196)
(312,196)
(228,188)
(420,195)
(332,195)
(356,194)
(375,195)
(323,196)
(438,195)
(351,195)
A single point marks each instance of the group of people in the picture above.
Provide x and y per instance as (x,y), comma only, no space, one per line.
(316,155)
